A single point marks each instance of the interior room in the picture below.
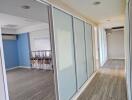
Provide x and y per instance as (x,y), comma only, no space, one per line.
(65,50)
(27,50)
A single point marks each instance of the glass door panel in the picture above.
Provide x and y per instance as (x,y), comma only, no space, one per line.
(64,48)
(89,49)
(80,52)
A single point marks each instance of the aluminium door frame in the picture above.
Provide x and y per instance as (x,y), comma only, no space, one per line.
(51,29)
(129,67)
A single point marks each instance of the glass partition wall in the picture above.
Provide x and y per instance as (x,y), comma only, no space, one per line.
(80,53)
(64,50)
(89,49)
(72,47)
(73,51)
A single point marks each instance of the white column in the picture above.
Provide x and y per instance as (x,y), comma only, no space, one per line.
(3,80)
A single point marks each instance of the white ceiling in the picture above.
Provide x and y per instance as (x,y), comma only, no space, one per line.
(37,11)
(16,25)
(112,10)
(14,22)
(13,17)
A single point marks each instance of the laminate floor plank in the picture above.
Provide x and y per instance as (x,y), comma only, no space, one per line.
(108,84)
(30,84)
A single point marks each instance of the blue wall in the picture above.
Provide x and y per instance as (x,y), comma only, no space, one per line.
(23,49)
(17,52)
(10,53)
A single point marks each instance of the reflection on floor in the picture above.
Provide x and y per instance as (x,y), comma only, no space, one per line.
(30,84)
(108,84)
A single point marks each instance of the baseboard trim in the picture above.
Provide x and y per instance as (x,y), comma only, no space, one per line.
(12,68)
(27,67)
(75,97)
(116,58)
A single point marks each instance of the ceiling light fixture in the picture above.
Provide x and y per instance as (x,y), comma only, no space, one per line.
(97,3)
(26,7)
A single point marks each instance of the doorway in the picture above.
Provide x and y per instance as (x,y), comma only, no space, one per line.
(115,43)
(27,50)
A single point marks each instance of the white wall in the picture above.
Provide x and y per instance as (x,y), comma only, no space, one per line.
(115,44)
(3,80)
(33,28)
(96,48)
(40,40)
(8,31)
(2,90)
(102,46)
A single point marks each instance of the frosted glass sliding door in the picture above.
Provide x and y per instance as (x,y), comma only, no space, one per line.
(89,49)
(79,38)
(64,48)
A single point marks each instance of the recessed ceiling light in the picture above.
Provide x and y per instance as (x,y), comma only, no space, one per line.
(26,7)
(97,3)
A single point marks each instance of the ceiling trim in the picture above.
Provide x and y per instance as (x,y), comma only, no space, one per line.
(61,5)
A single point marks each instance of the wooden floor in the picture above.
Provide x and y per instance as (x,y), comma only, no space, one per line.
(29,84)
(108,84)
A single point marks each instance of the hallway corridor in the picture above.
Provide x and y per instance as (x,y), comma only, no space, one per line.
(108,83)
